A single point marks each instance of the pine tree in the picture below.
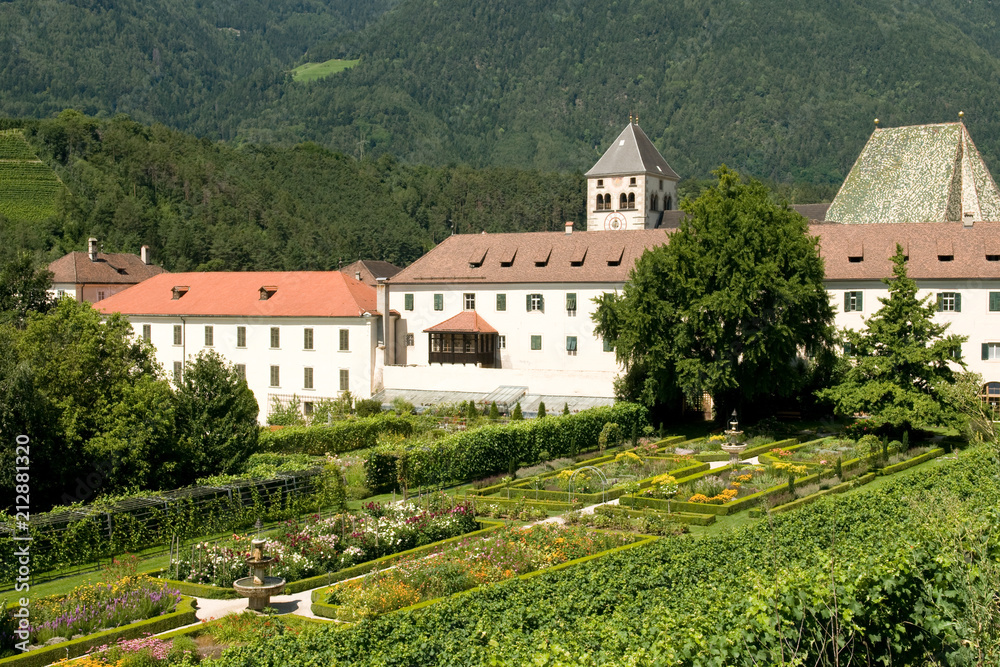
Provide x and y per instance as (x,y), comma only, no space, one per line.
(900,361)
(494,412)
(517,416)
(541,409)
(565,409)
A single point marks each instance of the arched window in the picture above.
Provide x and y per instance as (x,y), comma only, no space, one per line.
(631,200)
(623,201)
(600,202)
(607,202)
(654,202)
(667,203)
(990,395)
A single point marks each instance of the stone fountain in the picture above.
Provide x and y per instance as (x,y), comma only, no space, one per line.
(259,586)
(734,447)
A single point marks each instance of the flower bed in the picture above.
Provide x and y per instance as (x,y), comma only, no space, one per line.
(323,545)
(182,614)
(94,607)
(506,553)
(587,484)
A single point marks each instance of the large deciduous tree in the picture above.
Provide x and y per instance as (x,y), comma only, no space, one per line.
(726,307)
(23,290)
(901,368)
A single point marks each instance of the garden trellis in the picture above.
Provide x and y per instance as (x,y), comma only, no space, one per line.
(80,536)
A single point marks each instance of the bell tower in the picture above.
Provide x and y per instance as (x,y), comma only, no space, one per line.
(631,185)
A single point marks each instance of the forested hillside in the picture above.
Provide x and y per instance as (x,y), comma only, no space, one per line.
(208,205)
(781,90)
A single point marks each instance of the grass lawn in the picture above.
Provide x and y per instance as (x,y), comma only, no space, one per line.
(313,71)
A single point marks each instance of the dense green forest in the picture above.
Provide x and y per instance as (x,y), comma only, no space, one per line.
(780,90)
(212,206)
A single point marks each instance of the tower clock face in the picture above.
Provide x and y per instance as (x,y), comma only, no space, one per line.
(614,222)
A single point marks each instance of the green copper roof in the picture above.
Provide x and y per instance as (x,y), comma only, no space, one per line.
(921,173)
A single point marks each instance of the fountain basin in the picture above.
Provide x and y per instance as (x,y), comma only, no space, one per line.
(259,595)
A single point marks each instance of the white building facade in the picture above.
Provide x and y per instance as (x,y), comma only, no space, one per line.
(311,335)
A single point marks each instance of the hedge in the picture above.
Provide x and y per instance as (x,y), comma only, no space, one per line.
(477,454)
(689,518)
(336,438)
(333,611)
(184,614)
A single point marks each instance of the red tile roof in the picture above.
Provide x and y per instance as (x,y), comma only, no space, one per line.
(298,294)
(532,257)
(468,321)
(108,269)
(924,243)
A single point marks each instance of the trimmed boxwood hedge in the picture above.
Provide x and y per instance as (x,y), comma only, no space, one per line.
(477,454)
(336,438)
(332,611)
(184,614)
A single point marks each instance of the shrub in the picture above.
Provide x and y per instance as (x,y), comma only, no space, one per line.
(492,449)
(337,438)
(368,407)
(541,409)
(517,416)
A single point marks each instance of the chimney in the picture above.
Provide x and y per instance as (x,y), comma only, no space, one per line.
(144,254)
(92,248)
(569,226)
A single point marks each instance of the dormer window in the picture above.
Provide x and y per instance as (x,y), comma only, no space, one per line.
(267,292)
(507,257)
(578,256)
(945,251)
(993,258)
(179,291)
(477,258)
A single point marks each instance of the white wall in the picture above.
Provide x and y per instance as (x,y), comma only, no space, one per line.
(975,321)
(645,186)
(291,358)
(516,323)
(89,293)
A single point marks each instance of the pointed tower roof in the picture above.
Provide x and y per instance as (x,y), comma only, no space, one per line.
(920,173)
(632,153)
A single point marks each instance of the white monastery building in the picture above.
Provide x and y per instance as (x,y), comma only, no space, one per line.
(311,334)
(507,317)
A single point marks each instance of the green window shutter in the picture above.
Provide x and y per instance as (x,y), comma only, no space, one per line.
(986,351)
(439,302)
(859,303)
(994,301)
(958,302)
(571,301)
(541,303)
(536,342)
(940,301)
(571,343)
(847,302)
(608,346)
(527,302)
(501,302)
(408,301)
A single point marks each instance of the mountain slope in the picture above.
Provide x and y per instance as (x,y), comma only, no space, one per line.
(782,89)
